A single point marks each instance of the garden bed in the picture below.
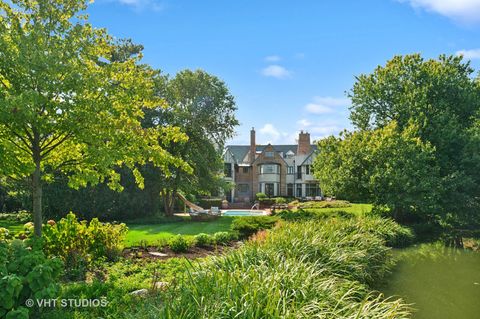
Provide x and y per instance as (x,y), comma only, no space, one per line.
(191,253)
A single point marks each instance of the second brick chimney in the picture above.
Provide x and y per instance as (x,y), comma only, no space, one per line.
(304,146)
(253,145)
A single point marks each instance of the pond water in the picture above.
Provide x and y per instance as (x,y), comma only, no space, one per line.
(440,282)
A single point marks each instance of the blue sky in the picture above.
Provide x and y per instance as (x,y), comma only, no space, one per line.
(289,63)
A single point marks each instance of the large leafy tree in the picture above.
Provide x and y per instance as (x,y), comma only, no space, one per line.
(441,97)
(201,105)
(66,105)
(386,166)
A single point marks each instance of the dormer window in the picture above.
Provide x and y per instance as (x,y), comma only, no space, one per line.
(269,154)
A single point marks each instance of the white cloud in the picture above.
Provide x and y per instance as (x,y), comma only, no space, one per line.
(325,105)
(469,54)
(276,71)
(272,58)
(316,108)
(463,11)
(140,5)
(304,123)
(271,133)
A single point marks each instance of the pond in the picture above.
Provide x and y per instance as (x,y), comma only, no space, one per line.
(440,282)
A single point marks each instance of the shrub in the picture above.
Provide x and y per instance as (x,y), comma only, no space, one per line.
(247,226)
(25,273)
(203,240)
(207,203)
(223,237)
(260,196)
(79,244)
(280,200)
(178,244)
(266,201)
(4,234)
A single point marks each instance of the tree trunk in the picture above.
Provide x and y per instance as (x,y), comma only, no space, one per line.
(37,199)
(37,185)
(168,202)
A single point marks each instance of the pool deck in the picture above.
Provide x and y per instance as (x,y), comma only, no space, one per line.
(266,212)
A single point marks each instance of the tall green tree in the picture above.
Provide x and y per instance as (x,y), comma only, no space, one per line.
(201,105)
(386,166)
(442,99)
(66,106)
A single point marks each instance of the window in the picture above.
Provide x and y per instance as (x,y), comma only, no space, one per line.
(227,170)
(269,169)
(299,172)
(299,190)
(307,169)
(242,188)
(269,189)
(290,170)
(312,190)
(245,170)
(269,154)
(290,190)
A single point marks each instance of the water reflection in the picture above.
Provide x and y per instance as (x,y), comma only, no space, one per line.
(441,282)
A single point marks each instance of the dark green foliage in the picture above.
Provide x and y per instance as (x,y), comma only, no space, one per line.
(102,202)
(203,240)
(223,237)
(441,98)
(247,226)
(25,273)
(80,244)
(260,195)
(178,244)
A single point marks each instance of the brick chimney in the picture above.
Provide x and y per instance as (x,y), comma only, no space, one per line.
(253,145)
(303,143)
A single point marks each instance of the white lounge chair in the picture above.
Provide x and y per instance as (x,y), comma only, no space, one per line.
(215,211)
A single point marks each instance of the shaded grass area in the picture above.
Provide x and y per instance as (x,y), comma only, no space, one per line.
(153,234)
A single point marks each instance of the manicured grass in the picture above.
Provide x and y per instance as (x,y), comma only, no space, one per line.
(12,226)
(156,233)
(357,209)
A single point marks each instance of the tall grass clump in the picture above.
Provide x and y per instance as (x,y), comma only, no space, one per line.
(298,270)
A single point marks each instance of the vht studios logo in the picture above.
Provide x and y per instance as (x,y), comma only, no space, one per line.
(64,303)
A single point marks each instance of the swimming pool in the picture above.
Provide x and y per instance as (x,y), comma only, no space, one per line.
(243,213)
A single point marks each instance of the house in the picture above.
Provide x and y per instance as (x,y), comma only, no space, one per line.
(276,170)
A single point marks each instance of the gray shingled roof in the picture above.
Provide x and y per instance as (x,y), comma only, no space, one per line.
(240,151)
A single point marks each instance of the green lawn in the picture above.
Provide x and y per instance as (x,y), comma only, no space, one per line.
(156,233)
(13,226)
(357,209)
